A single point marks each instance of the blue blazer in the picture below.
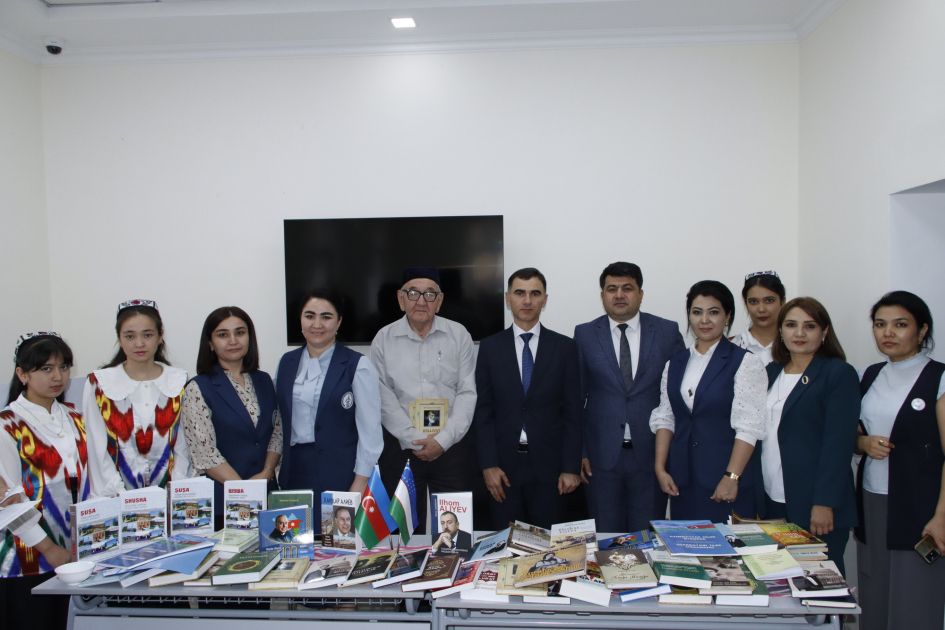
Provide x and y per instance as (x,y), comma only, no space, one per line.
(550,412)
(703,438)
(336,433)
(607,403)
(816,437)
(242,444)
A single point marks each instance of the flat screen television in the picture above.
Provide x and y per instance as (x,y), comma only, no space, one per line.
(363,261)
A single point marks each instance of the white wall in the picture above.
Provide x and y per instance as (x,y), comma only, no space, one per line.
(24,281)
(872,123)
(917,248)
(172,180)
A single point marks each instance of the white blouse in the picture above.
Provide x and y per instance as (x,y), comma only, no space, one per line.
(881,405)
(747,341)
(771,470)
(748,403)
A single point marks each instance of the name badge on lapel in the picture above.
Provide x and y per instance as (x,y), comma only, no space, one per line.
(347,401)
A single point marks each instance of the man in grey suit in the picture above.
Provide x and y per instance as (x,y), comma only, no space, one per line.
(622,355)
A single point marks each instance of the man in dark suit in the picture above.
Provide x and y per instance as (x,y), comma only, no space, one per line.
(527,418)
(622,355)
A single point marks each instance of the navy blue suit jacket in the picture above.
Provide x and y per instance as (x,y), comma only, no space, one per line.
(336,434)
(607,403)
(550,412)
(816,439)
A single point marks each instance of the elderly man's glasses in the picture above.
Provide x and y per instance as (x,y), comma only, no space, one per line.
(413,295)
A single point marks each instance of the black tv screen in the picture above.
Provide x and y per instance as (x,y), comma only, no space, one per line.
(363,261)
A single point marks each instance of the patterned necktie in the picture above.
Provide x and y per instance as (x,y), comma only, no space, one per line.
(528,361)
(626,363)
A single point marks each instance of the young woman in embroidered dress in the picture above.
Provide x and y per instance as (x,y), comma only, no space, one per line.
(132,404)
(44,460)
(763,294)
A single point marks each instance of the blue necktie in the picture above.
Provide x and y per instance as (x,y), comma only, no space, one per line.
(528,361)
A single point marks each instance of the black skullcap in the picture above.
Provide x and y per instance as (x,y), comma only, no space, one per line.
(412,273)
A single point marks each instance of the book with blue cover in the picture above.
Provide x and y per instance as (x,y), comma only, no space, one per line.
(148,555)
(642,539)
(692,538)
(288,529)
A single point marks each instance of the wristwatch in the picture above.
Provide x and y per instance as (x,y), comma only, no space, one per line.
(731,475)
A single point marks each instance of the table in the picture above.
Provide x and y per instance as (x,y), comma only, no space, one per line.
(111,607)
(783,613)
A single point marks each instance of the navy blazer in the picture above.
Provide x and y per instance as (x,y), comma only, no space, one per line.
(703,438)
(816,437)
(336,433)
(607,403)
(550,412)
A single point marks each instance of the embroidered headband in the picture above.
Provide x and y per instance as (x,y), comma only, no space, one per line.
(137,302)
(755,274)
(32,335)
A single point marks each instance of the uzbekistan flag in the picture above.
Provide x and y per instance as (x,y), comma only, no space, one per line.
(403,507)
(373,522)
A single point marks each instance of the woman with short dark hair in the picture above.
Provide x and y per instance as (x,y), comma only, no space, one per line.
(710,415)
(900,477)
(813,404)
(229,409)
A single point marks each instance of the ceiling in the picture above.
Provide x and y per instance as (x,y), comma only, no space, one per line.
(118,30)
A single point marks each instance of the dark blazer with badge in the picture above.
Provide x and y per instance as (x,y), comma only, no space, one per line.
(816,437)
(331,465)
(243,444)
(550,413)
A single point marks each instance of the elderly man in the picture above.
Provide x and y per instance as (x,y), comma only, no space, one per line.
(423,358)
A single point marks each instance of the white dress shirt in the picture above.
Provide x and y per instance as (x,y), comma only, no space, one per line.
(771,470)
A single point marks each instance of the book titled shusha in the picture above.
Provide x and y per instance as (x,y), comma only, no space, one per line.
(191,506)
(337,519)
(143,515)
(94,525)
(243,500)
(547,566)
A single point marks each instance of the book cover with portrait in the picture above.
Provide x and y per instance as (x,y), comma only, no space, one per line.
(337,519)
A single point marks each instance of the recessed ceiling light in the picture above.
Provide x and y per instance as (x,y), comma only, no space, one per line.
(403,22)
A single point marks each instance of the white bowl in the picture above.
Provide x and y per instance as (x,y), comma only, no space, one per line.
(75,572)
